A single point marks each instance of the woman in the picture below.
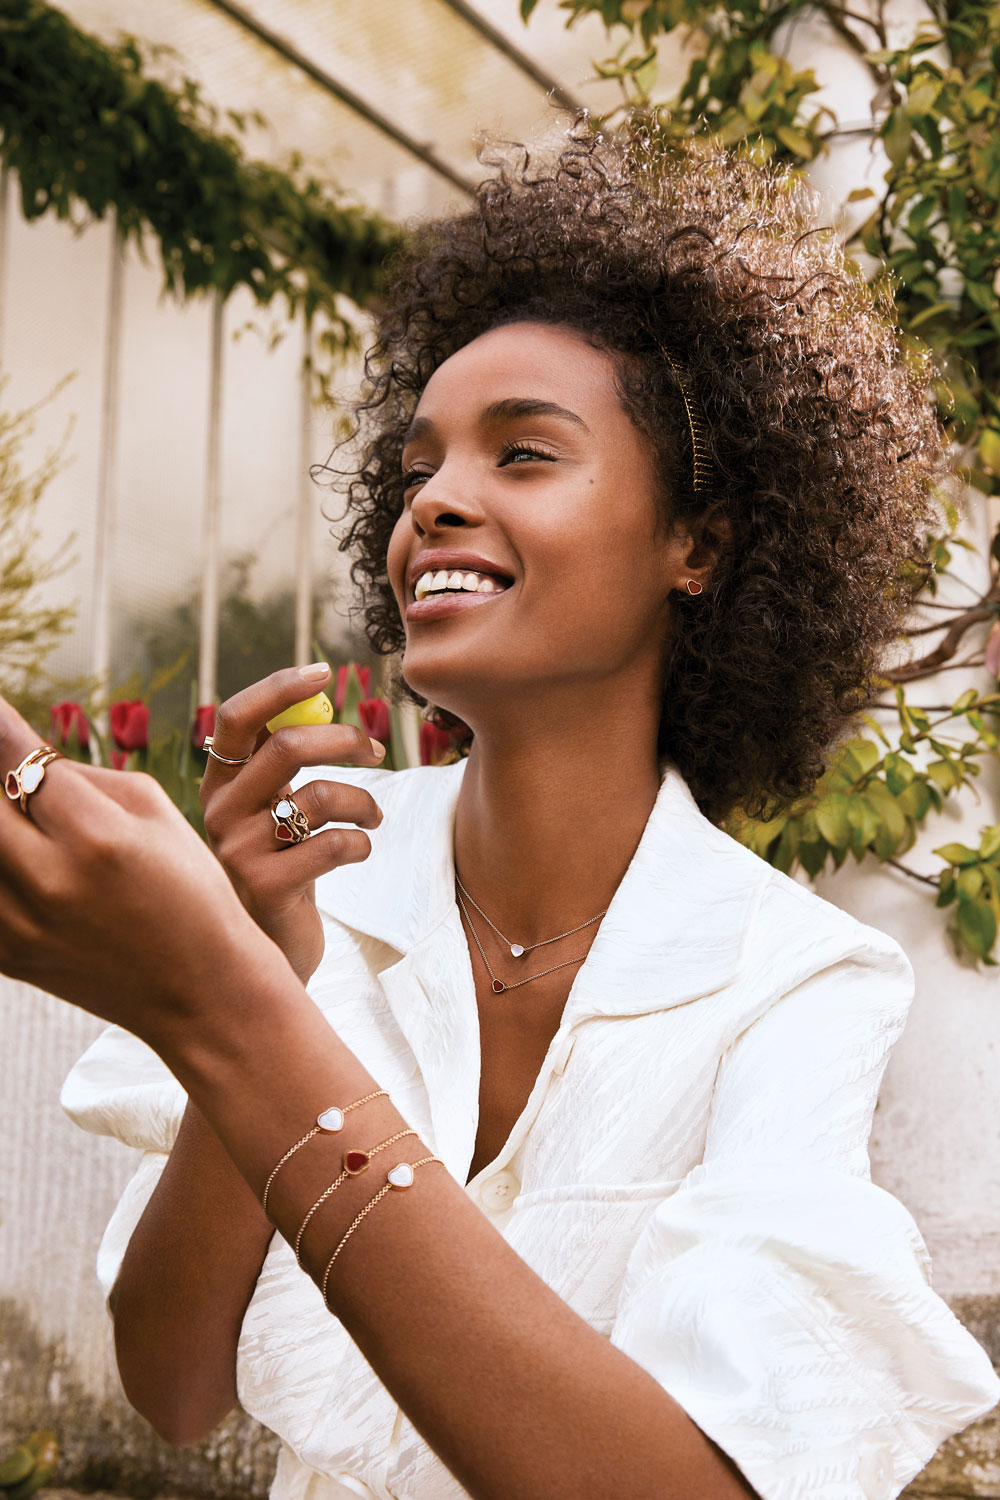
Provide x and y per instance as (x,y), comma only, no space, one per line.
(571,1137)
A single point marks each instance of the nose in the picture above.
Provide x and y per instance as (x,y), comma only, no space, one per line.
(443,502)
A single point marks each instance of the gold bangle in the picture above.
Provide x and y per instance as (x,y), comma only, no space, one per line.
(399,1178)
(328,1122)
(355,1162)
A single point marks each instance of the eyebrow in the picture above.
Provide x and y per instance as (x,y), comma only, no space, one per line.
(506,410)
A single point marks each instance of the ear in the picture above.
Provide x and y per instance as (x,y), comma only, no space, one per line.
(708,537)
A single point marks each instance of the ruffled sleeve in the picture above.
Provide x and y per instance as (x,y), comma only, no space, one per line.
(122,1089)
(780,1297)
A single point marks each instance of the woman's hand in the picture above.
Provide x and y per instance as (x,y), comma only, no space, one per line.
(276,882)
(109,899)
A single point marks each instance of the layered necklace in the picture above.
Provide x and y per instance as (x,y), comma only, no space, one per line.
(517,950)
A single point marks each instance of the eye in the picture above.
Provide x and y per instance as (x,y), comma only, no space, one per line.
(510,453)
(413,477)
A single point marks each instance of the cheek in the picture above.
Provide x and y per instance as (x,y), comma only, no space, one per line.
(396,556)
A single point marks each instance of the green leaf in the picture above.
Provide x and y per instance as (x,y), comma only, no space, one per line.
(977,926)
(353,694)
(981,295)
(988,449)
(957,854)
(920,99)
(527,6)
(866,754)
(795,141)
(946,888)
(397,742)
(832,820)
(812,858)
(961,704)
(898,773)
(989,844)
(784,853)
(944,775)
(888,809)
(969,883)
(864,821)
(896,134)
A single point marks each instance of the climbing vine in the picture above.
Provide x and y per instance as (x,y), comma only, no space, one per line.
(90,133)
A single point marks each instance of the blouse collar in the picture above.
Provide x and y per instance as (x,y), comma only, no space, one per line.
(675,929)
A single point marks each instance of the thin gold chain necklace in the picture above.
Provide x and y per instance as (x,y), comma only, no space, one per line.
(498,984)
(517,949)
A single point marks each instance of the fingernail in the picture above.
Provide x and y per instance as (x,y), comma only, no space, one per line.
(315,672)
(378,747)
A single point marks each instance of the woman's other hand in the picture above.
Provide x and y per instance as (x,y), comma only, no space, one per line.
(275,881)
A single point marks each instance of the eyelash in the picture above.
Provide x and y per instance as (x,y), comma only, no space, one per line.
(411,476)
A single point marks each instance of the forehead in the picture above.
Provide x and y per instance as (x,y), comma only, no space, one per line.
(543,361)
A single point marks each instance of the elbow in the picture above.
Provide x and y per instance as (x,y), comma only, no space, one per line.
(183,1423)
(177,1400)
(178,1428)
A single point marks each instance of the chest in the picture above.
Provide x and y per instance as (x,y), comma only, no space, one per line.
(516,1028)
(523,1081)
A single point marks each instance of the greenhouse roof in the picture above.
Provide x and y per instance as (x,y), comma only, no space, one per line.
(385,99)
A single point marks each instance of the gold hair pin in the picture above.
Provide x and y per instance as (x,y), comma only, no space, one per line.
(701,466)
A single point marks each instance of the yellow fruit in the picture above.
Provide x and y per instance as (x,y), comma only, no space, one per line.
(315,710)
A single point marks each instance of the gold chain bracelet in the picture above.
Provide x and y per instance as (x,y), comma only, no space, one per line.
(328,1122)
(399,1178)
(355,1162)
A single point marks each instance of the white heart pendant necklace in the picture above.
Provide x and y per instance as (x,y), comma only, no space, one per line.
(517,950)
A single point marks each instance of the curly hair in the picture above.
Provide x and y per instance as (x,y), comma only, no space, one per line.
(702,275)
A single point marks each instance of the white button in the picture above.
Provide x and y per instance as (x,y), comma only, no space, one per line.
(562,1055)
(875,1473)
(499,1191)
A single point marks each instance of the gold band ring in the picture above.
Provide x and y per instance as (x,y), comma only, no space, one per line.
(26,778)
(226,760)
(291,825)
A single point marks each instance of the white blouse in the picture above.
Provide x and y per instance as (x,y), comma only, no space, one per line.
(689,1173)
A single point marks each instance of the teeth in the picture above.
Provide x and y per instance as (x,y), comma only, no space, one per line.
(469,583)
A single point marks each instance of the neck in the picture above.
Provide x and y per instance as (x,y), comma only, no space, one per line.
(547,824)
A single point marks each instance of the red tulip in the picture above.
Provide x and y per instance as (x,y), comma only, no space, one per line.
(375,717)
(435,744)
(69,719)
(204,725)
(340,683)
(119,760)
(130,725)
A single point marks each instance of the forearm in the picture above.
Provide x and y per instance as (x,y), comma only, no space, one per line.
(514,1392)
(183,1288)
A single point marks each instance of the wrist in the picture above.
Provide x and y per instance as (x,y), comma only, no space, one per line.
(243,990)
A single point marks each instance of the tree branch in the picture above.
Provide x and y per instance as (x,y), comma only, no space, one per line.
(947,647)
(905,870)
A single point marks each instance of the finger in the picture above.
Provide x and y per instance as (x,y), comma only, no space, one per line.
(21,838)
(335,802)
(273,881)
(287,751)
(241,720)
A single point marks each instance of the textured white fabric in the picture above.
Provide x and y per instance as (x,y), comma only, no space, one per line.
(690,1172)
